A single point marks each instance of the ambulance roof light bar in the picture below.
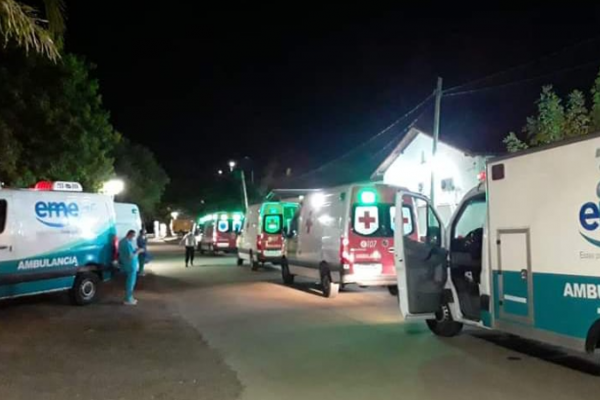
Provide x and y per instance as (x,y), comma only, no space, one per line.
(58,186)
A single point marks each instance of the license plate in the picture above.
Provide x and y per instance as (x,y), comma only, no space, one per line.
(367,269)
(272,253)
(222,244)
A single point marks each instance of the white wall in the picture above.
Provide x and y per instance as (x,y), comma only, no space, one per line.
(412,169)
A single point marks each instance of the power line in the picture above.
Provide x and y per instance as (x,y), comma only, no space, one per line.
(401,136)
(521,66)
(535,78)
(396,122)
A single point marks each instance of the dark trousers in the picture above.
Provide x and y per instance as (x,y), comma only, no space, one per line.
(189,254)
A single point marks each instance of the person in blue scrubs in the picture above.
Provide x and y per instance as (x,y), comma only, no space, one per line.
(128,260)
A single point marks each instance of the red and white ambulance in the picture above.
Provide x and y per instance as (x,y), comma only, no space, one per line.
(220,231)
(261,240)
(344,235)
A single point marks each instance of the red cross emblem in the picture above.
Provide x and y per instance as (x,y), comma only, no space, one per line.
(367,220)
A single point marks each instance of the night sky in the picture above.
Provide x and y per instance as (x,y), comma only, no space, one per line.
(200,84)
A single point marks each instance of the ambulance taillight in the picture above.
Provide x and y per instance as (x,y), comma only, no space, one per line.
(259,240)
(346,258)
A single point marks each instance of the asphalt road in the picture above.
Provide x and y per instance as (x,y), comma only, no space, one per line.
(218,331)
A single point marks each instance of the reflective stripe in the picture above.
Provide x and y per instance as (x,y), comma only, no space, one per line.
(516,299)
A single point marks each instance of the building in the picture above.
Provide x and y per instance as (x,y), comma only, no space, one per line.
(410,165)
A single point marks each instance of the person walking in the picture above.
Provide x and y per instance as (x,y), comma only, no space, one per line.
(142,244)
(129,260)
(189,241)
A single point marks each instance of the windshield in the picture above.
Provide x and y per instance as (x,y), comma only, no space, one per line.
(373,220)
(272,224)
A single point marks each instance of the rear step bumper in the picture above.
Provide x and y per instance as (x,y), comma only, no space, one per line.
(377,280)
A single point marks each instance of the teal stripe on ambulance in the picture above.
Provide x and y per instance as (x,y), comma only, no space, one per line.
(563,304)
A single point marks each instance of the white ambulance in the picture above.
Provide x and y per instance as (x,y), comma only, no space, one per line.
(55,238)
(127,218)
(261,239)
(521,255)
(343,235)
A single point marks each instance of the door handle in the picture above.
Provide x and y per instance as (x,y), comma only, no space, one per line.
(6,248)
(524,274)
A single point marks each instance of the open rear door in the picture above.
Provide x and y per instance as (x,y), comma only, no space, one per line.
(419,256)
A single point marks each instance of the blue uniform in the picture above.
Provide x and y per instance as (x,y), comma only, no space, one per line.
(128,261)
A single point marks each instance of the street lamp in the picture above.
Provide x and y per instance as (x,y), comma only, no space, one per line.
(220,172)
(231,166)
(113,187)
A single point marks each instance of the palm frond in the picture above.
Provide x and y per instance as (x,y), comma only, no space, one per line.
(21,23)
(55,14)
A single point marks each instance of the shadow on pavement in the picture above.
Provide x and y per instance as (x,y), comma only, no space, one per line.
(580,362)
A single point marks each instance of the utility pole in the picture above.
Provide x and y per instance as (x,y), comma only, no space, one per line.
(436,134)
(244,189)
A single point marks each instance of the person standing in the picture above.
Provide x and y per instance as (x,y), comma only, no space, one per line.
(189,241)
(128,260)
(142,244)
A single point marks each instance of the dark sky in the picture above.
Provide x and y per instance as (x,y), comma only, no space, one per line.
(200,84)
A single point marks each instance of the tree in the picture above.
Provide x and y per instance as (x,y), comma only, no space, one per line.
(555,122)
(595,111)
(52,122)
(145,180)
(22,24)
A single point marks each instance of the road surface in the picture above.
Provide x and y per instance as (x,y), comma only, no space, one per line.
(218,331)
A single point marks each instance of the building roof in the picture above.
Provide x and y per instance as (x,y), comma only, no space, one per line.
(406,141)
(368,162)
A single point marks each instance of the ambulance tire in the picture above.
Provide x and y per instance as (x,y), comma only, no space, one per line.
(330,289)
(85,288)
(592,343)
(288,278)
(240,262)
(443,325)
(253,263)
(393,289)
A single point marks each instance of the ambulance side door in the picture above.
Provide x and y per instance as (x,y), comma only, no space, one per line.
(419,256)
(6,237)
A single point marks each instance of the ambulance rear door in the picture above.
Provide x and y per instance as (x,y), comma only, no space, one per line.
(6,239)
(420,258)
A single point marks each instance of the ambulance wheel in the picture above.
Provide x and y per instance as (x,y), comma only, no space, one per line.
(240,262)
(443,324)
(288,278)
(393,289)
(85,288)
(330,289)
(253,263)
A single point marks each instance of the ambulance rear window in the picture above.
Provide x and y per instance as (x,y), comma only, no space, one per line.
(2,215)
(272,224)
(372,220)
(223,225)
